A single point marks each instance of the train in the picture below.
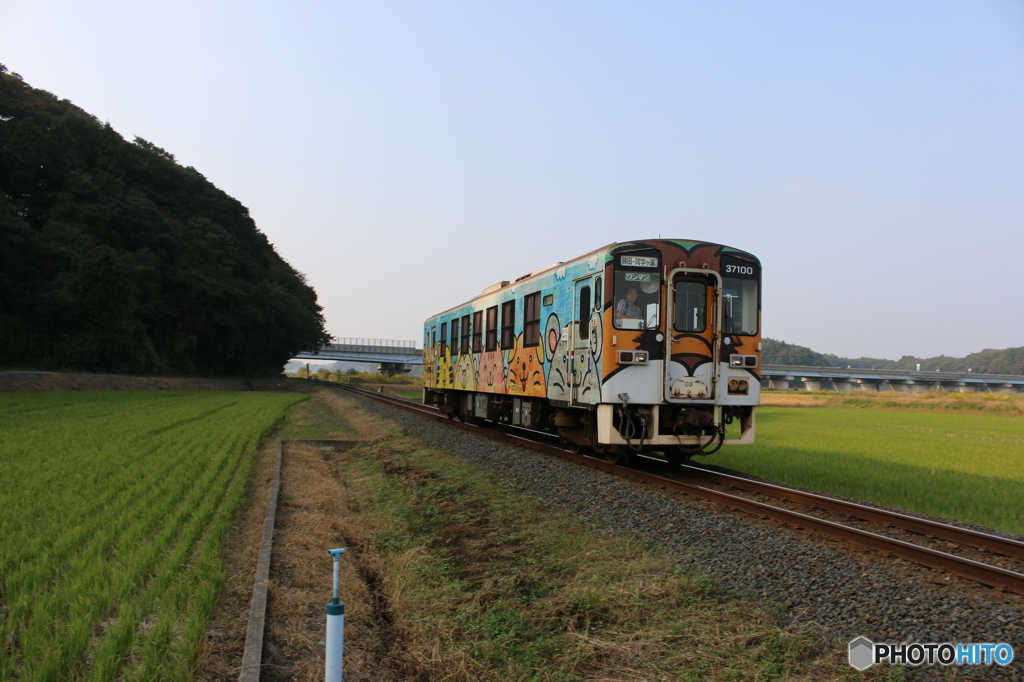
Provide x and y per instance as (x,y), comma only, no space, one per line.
(648,347)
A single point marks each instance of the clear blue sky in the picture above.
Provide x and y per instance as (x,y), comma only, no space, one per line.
(404,155)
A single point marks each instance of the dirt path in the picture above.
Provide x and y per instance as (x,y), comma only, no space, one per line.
(315,513)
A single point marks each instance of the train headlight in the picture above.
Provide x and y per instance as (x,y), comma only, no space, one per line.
(743,361)
(632,357)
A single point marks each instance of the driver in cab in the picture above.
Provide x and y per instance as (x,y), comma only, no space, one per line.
(627,309)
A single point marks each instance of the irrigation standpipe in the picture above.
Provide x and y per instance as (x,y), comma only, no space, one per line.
(335,627)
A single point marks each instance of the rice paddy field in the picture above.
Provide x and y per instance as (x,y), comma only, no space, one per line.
(113,508)
(959,466)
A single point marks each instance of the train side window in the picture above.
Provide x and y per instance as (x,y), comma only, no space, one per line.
(464,346)
(455,337)
(492,329)
(444,337)
(691,299)
(597,294)
(508,325)
(478,324)
(531,320)
(583,317)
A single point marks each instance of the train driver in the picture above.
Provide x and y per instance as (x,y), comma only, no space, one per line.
(627,309)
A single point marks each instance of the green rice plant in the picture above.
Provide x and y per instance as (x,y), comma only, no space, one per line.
(115,507)
(962,467)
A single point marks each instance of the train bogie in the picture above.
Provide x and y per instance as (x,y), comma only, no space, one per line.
(648,346)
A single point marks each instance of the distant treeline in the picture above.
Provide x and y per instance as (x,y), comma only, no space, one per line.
(1007,361)
(113,257)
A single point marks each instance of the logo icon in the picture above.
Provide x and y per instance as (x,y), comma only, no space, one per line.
(862,653)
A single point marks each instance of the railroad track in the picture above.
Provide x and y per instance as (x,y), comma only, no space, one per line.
(697,482)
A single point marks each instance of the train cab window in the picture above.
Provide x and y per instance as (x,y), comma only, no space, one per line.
(690,302)
(492,329)
(464,348)
(478,325)
(508,325)
(531,320)
(739,295)
(637,291)
(583,315)
(739,305)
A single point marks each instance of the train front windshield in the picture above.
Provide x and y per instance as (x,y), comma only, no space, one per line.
(637,292)
(739,296)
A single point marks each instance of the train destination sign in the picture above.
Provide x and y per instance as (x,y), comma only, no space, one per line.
(638,261)
(638,277)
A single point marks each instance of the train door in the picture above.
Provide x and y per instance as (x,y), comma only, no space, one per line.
(691,367)
(583,375)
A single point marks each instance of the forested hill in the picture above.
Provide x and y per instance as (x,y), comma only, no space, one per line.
(988,361)
(113,257)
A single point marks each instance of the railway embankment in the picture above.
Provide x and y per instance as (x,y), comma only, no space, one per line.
(453,573)
(823,586)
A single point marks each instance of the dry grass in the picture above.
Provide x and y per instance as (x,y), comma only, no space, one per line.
(451,575)
(315,513)
(932,401)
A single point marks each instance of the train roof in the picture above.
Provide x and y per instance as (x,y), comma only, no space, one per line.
(685,243)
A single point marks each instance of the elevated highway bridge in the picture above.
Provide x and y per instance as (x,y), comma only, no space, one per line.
(391,356)
(784,377)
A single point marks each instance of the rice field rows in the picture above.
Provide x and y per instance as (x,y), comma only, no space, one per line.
(113,507)
(962,467)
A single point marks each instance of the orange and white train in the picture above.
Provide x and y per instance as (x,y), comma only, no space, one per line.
(649,346)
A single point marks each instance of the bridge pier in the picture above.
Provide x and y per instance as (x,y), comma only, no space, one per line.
(869,384)
(812,385)
(841,385)
(780,384)
(390,369)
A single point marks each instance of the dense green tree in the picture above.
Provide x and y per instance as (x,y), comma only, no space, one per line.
(115,258)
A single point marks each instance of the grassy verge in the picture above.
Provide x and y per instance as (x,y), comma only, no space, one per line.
(453,575)
(115,505)
(931,401)
(964,467)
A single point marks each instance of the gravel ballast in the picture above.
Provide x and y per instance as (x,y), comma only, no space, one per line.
(831,588)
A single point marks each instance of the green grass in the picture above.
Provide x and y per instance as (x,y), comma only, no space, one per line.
(114,508)
(963,467)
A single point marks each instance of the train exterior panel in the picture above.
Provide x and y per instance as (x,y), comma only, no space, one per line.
(648,346)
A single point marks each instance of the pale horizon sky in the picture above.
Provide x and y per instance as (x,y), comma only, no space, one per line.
(405,155)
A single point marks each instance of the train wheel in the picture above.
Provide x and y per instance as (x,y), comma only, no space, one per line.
(567,444)
(675,456)
(614,454)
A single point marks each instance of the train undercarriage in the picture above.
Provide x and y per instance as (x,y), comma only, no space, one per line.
(615,431)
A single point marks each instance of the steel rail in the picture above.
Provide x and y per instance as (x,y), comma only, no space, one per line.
(932,529)
(993,576)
